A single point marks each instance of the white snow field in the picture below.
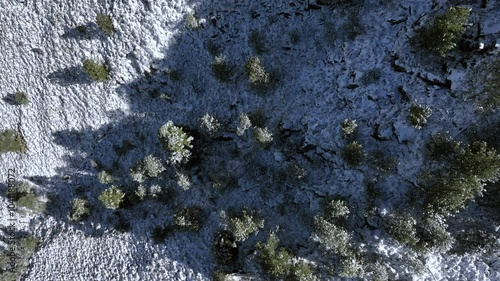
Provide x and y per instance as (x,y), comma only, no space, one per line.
(74,128)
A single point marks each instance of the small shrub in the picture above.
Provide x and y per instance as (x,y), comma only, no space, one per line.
(348,127)
(105,23)
(221,69)
(382,162)
(12,141)
(105,178)
(433,235)
(276,262)
(152,166)
(486,83)
(189,218)
(225,248)
(478,160)
(440,36)
(112,197)
(96,71)
(336,209)
(331,236)
(176,141)
(80,209)
(191,21)
(23,252)
(257,75)
(21,98)
(403,228)
(32,202)
(183,180)
(244,124)
(245,224)
(209,124)
(353,153)
(141,192)
(351,267)
(418,115)
(257,41)
(441,146)
(263,135)
(301,271)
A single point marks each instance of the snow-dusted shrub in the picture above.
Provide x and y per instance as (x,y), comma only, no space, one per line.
(418,115)
(440,36)
(433,235)
(225,248)
(244,224)
(257,74)
(21,98)
(353,153)
(12,141)
(277,262)
(301,271)
(141,192)
(244,124)
(336,209)
(403,228)
(105,178)
(348,127)
(152,166)
(112,197)
(96,71)
(209,124)
(351,267)
(263,135)
(191,21)
(441,146)
(183,180)
(378,272)
(79,210)
(331,236)
(105,23)
(176,141)
(257,41)
(486,83)
(448,190)
(221,69)
(189,218)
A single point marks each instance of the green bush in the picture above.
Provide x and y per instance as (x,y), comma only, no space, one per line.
(105,23)
(12,141)
(80,209)
(441,147)
(189,218)
(209,125)
(32,202)
(433,235)
(403,228)
(96,71)
(176,141)
(440,36)
(301,271)
(348,127)
(112,197)
(277,262)
(105,178)
(244,224)
(331,236)
(486,83)
(418,115)
(353,153)
(336,209)
(221,69)
(351,267)
(191,22)
(21,98)
(257,75)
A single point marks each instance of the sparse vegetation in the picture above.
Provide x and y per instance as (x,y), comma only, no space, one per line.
(112,197)
(80,209)
(96,71)
(277,262)
(221,69)
(21,98)
(257,75)
(244,224)
(353,153)
(418,115)
(332,237)
(441,34)
(189,218)
(176,141)
(105,23)
(12,141)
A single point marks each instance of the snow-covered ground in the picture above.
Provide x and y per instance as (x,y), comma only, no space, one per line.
(71,124)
